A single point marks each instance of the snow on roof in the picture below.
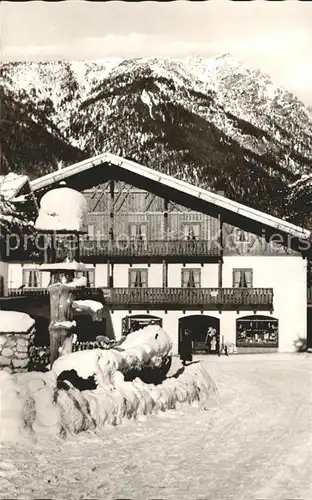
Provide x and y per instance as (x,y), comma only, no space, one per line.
(92,307)
(63,266)
(169,181)
(11,184)
(62,209)
(16,322)
(10,187)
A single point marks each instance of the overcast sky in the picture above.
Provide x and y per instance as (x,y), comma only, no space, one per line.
(275,37)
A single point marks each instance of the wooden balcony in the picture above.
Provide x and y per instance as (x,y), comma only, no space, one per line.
(151,250)
(189,298)
(171,298)
(100,251)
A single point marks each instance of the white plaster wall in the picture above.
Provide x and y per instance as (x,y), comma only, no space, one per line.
(4,268)
(209,274)
(45,279)
(155,275)
(100,275)
(287,276)
(15,275)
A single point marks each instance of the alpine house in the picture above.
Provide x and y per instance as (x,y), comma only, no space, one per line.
(160,250)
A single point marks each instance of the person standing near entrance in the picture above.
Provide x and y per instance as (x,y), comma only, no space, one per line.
(211,340)
(213,345)
(186,348)
(208,340)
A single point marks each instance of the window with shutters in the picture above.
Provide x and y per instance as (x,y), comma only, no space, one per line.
(90,275)
(241,236)
(138,278)
(242,278)
(138,231)
(190,278)
(191,230)
(32,278)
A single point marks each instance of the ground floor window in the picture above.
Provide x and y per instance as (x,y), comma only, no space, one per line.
(257,331)
(90,275)
(135,322)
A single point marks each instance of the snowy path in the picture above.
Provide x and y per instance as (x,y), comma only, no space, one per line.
(253,443)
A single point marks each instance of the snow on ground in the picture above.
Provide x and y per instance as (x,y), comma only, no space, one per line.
(253,442)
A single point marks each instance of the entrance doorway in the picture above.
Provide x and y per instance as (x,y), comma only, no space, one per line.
(135,322)
(204,330)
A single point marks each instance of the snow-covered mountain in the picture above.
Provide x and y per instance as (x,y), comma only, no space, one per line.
(212,121)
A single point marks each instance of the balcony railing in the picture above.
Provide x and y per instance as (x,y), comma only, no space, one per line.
(101,250)
(171,298)
(150,248)
(37,293)
(189,297)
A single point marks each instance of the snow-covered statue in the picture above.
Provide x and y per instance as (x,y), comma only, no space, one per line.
(145,353)
(62,209)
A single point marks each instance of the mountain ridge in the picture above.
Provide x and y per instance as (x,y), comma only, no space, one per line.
(212,122)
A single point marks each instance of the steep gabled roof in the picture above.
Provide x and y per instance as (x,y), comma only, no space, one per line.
(14,190)
(211,198)
(12,184)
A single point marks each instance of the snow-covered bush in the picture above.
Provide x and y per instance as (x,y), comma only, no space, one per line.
(36,404)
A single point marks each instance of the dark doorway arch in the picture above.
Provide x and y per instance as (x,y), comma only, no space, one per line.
(134,322)
(205,332)
(257,331)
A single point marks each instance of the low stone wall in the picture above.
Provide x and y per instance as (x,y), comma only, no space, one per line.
(15,350)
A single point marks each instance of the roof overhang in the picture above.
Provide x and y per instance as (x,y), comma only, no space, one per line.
(108,166)
(11,185)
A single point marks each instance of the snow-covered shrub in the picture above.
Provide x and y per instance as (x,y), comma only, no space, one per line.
(36,403)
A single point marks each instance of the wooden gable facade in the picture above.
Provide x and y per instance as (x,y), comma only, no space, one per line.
(164,219)
(119,211)
(131,202)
